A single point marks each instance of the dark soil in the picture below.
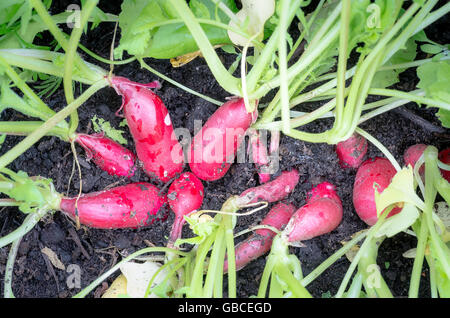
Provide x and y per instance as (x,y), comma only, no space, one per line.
(95,251)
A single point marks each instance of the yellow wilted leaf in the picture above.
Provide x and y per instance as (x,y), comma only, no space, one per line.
(117,289)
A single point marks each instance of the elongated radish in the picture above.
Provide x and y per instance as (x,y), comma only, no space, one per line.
(107,154)
(444,156)
(321,214)
(272,191)
(130,206)
(351,152)
(259,155)
(151,127)
(260,242)
(185,196)
(373,173)
(214,147)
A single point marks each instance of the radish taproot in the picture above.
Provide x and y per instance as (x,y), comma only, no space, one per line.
(272,191)
(214,147)
(185,196)
(151,127)
(260,156)
(444,157)
(351,152)
(321,214)
(260,242)
(107,154)
(130,206)
(373,173)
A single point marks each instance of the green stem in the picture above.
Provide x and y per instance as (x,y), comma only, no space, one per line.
(187,89)
(95,283)
(32,138)
(229,240)
(230,83)
(422,239)
(298,290)
(409,96)
(28,224)
(380,146)
(282,55)
(9,269)
(24,128)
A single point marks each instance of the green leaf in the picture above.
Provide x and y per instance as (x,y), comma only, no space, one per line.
(101,125)
(444,117)
(400,190)
(399,222)
(435,79)
(200,228)
(431,48)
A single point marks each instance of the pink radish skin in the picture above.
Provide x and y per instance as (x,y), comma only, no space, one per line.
(321,214)
(351,152)
(185,196)
(130,206)
(212,151)
(151,127)
(444,157)
(412,154)
(377,171)
(260,156)
(272,191)
(107,154)
(260,242)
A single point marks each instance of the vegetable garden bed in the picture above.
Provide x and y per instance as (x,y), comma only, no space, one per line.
(55,249)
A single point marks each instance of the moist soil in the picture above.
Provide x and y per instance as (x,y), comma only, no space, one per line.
(95,251)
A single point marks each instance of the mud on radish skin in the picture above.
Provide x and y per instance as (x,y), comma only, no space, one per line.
(260,242)
(185,196)
(107,154)
(130,206)
(214,147)
(272,191)
(151,127)
(321,214)
(376,172)
(351,152)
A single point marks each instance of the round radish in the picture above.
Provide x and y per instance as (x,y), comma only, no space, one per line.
(185,196)
(214,147)
(151,127)
(130,206)
(260,242)
(444,156)
(107,154)
(412,154)
(321,214)
(378,173)
(351,152)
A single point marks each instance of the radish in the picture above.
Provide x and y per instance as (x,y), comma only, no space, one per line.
(130,206)
(151,127)
(412,154)
(378,173)
(215,146)
(107,154)
(260,242)
(185,196)
(259,155)
(444,156)
(321,214)
(272,191)
(351,152)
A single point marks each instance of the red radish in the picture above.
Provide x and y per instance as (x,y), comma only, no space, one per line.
(272,191)
(215,146)
(321,214)
(351,152)
(107,154)
(259,155)
(412,154)
(185,196)
(444,157)
(151,127)
(260,242)
(130,206)
(378,173)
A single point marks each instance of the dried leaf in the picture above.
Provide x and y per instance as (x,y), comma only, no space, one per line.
(53,258)
(117,289)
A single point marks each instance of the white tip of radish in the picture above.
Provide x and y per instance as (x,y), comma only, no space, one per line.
(167,120)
